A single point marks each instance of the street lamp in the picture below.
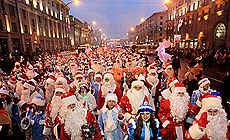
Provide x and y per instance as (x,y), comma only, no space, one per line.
(100,30)
(94,23)
(142,19)
(74,1)
(132,29)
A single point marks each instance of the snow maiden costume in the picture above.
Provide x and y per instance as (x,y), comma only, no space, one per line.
(108,120)
(149,129)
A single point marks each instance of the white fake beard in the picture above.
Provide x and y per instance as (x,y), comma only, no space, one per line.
(179,106)
(152,79)
(217,127)
(136,98)
(169,72)
(25,95)
(19,88)
(74,119)
(55,105)
(30,74)
(108,86)
(49,92)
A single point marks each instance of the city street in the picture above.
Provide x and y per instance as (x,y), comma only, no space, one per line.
(215,73)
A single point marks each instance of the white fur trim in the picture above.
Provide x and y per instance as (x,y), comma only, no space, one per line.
(203,82)
(179,89)
(60,90)
(137,83)
(3,91)
(173,83)
(79,75)
(195,132)
(166,94)
(97,75)
(127,116)
(56,131)
(108,75)
(69,100)
(50,81)
(211,102)
(198,103)
(26,85)
(20,103)
(158,123)
(38,102)
(166,123)
(133,123)
(112,97)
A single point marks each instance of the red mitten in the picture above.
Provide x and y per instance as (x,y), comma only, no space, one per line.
(203,120)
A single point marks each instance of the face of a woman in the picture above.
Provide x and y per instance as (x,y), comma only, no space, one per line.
(145,116)
(110,104)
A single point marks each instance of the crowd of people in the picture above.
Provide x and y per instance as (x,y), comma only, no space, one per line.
(108,96)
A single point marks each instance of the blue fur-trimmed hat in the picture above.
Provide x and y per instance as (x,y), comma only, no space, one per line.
(145,108)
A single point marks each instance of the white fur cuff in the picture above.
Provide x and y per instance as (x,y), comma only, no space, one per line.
(195,132)
(167,122)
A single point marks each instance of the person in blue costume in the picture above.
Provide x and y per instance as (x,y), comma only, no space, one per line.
(110,118)
(146,127)
(35,118)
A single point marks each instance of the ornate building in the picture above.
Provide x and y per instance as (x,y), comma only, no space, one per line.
(152,30)
(199,23)
(33,25)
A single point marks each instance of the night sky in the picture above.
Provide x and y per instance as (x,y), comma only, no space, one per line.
(115,17)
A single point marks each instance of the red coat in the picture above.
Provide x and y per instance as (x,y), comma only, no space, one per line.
(90,120)
(101,99)
(168,122)
(157,90)
(127,108)
(48,128)
(194,132)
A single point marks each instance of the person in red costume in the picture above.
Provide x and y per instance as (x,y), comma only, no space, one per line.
(211,122)
(72,116)
(52,110)
(108,86)
(173,113)
(154,85)
(132,100)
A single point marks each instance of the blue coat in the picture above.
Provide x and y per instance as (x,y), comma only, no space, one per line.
(117,133)
(132,127)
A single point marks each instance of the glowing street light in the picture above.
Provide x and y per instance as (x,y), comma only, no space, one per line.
(94,23)
(132,29)
(100,30)
(167,1)
(142,19)
(74,1)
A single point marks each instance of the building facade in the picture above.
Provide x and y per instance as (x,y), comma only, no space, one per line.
(32,26)
(80,32)
(152,30)
(199,23)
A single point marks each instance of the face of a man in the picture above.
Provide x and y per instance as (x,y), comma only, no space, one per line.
(58,93)
(152,74)
(71,106)
(17,66)
(181,94)
(106,79)
(110,104)
(137,88)
(145,116)
(212,112)
(79,79)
